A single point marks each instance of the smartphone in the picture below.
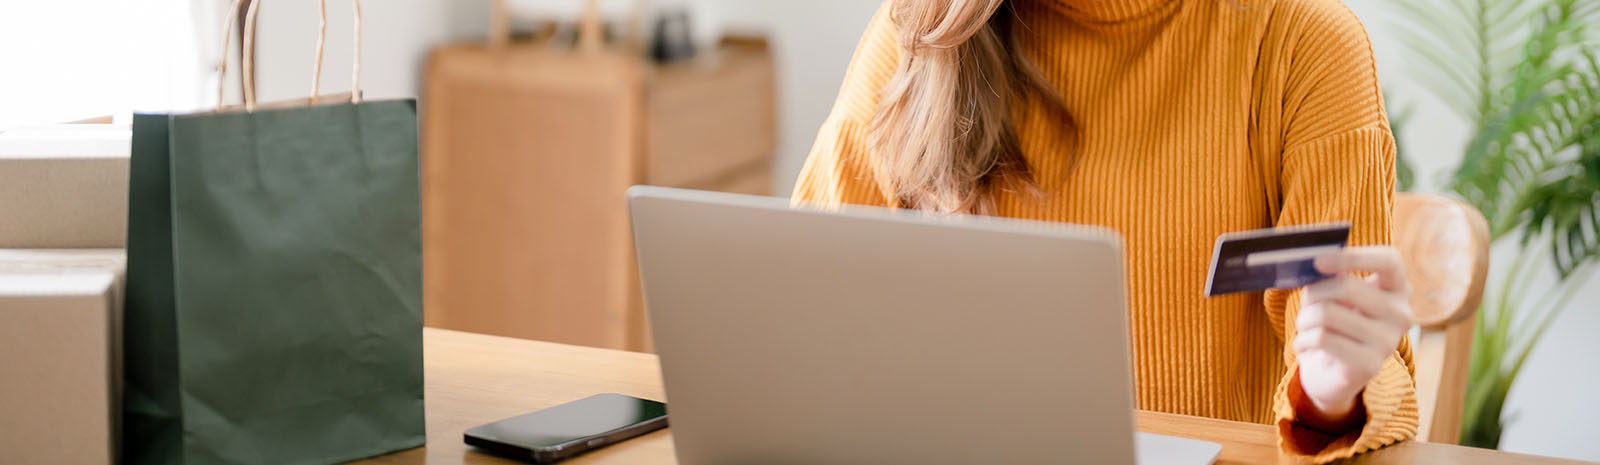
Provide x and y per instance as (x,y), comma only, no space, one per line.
(569,429)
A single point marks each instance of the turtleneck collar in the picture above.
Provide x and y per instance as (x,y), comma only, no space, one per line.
(1107,11)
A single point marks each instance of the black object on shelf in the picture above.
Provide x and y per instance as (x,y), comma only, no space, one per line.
(673,40)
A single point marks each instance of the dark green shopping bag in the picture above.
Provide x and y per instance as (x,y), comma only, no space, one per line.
(274,302)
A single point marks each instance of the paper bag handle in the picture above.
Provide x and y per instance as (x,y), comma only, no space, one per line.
(355,63)
(227,40)
(247,60)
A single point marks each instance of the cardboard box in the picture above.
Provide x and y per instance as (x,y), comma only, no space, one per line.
(64,186)
(60,358)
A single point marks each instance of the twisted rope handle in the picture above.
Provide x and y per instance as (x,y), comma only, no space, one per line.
(355,60)
(247,60)
(322,38)
(355,64)
(227,39)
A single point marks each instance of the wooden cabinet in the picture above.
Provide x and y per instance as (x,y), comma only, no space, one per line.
(527,152)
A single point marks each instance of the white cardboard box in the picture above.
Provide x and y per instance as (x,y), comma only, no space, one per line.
(64,186)
(60,355)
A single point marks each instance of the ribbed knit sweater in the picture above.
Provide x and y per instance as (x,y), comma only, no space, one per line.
(1188,119)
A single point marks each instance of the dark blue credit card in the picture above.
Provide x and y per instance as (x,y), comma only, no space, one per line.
(1276,258)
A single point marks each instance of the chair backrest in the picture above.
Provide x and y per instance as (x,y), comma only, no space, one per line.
(1445,245)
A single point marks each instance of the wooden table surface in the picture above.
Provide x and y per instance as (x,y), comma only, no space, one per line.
(474,379)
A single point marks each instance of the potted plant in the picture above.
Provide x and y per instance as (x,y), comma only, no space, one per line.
(1525,73)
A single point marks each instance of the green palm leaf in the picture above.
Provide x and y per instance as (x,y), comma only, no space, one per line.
(1525,74)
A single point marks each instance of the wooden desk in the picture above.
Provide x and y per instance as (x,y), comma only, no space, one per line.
(475,379)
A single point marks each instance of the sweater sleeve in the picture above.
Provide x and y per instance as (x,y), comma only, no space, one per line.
(1337,165)
(1348,176)
(840,168)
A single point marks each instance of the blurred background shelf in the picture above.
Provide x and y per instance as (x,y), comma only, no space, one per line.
(527,152)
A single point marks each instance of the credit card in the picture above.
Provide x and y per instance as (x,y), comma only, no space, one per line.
(1275,258)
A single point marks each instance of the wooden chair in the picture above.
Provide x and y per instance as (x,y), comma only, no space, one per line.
(1445,245)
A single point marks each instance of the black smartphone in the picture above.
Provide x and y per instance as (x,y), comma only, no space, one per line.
(569,429)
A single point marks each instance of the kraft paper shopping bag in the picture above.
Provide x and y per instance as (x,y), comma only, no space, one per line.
(274,310)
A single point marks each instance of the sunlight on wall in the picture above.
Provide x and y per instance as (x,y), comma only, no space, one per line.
(68,60)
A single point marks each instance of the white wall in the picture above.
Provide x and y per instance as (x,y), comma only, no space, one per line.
(396,36)
(814,40)
(69,60)
(1555,408)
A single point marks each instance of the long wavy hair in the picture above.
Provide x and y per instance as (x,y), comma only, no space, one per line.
(944,129)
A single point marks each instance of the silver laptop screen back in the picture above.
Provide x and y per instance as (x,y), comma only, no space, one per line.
(795,336)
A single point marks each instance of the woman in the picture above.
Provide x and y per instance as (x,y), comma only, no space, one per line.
(1171,121)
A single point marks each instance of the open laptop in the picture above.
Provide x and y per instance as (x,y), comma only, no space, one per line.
(863,335)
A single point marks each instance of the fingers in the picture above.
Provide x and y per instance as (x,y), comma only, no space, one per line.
(1399,303)
(1343,349)
(1348,326)
(1363,296)
(1362,360)
(1383,261)
(1342,321)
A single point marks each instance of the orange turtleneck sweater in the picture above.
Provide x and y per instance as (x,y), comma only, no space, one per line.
(1190,118)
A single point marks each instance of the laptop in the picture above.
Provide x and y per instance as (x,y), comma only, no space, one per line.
(863,335)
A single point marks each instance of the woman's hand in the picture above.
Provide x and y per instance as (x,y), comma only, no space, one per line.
(1347,328)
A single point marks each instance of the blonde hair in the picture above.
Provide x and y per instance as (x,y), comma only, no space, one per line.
(943,129)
